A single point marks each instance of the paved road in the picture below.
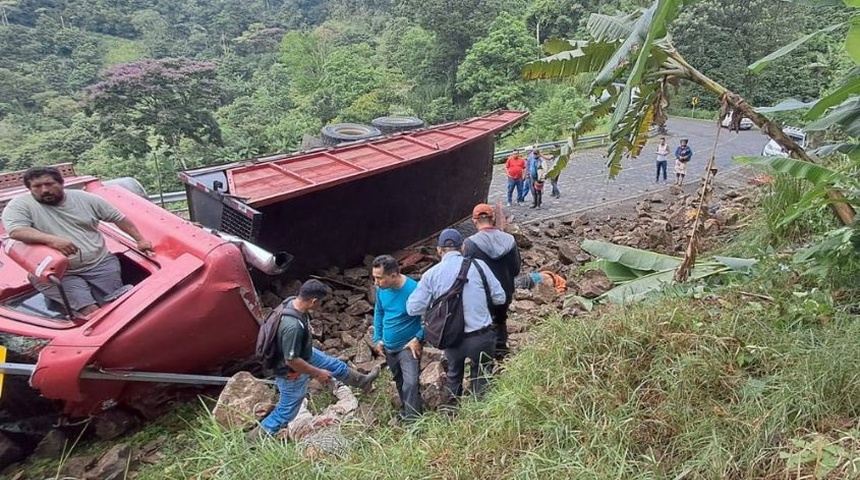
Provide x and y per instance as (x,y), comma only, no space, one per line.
(584,183)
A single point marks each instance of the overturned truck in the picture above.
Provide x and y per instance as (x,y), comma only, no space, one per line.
(192,307)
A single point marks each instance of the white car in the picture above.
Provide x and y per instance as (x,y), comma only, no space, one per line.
(773,149)
(746,123)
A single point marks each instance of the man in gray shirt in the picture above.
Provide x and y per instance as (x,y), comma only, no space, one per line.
(67,220)
(480,338)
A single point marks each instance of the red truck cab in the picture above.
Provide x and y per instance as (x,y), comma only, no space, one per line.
(192,307)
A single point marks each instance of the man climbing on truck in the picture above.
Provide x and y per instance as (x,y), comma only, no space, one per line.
(67,221)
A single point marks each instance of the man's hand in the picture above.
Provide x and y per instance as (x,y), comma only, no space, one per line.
(378,348)
(415,346)
(322,376)
(65,246)
(144,245)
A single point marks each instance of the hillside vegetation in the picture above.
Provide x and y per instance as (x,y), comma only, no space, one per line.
(269,72)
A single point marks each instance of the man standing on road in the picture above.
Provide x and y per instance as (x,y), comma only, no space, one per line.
(482,287)
(302,361)
(397,335)
(662,158)
(515,167)
(67,221)
(499,251)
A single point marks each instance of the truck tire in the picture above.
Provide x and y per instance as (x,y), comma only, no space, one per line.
(347,132)
(129,183)
(397,123)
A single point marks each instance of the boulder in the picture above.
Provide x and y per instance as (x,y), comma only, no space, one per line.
(567,253)
(433,385)
(9,451)
(51,445)
(594,283)
(114,464)
(359,308)
(544,294)
(244,400)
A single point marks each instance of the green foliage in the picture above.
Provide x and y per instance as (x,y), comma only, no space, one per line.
(489,75)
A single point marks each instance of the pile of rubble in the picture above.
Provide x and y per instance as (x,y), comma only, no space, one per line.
(661,223)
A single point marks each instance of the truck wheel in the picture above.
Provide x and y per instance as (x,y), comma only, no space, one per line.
(397,123)
(347,132)
(129,183)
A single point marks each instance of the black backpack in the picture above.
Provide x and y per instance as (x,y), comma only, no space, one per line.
(268,341)
(444,321)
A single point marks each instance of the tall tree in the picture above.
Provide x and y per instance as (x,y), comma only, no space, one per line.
(172,98)
(490,75)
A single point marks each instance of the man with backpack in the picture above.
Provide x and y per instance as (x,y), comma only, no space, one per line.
(297,359)
(480,290)
(499,251)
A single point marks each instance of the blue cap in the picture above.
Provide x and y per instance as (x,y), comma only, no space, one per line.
(450,238)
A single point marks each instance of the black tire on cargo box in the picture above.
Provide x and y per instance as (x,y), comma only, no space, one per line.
(397,123)
(347,132)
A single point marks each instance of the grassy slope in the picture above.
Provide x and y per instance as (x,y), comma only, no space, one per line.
(730,385)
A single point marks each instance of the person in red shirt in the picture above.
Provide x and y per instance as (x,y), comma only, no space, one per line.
(515,166)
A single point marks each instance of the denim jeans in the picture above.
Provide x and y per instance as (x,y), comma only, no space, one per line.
(405,369)
(517,184)
(480,350)
(662,165)
(524,191)
(293,390)
(555,192)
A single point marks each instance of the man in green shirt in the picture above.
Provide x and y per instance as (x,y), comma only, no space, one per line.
(302,361)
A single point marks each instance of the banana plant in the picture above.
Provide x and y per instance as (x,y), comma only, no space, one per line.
(640,273)
(635,63)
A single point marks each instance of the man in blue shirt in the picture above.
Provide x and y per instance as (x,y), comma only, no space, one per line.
(398,335)
(482,288)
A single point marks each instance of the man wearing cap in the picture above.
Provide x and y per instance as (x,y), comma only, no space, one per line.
(499,251)
(478,344)
(515,167)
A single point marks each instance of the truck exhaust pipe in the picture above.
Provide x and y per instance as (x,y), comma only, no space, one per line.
(256,256)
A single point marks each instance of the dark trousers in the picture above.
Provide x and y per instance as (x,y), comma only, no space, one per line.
(405,369)
(480,350)
(500,319)
(661,165)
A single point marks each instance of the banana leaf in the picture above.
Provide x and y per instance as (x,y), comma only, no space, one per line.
(816,174)
(610,27)
(850,87)
(846,117)
(585,57)
(759,64)
(617,272)
(786,106)
(640,288)
(630,257)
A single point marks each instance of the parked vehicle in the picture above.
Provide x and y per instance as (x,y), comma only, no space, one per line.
(773,149)
(745,124)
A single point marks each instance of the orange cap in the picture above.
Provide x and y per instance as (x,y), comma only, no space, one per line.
(482,209)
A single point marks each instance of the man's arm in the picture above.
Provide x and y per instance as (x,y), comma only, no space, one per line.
(128,227)
(497,293)
(420,299)
(299,365)
(31,235)
(377,324)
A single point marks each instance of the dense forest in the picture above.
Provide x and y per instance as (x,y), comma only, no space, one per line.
(135,87)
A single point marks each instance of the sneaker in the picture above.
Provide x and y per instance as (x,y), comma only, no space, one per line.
(533,206)
(508,204)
